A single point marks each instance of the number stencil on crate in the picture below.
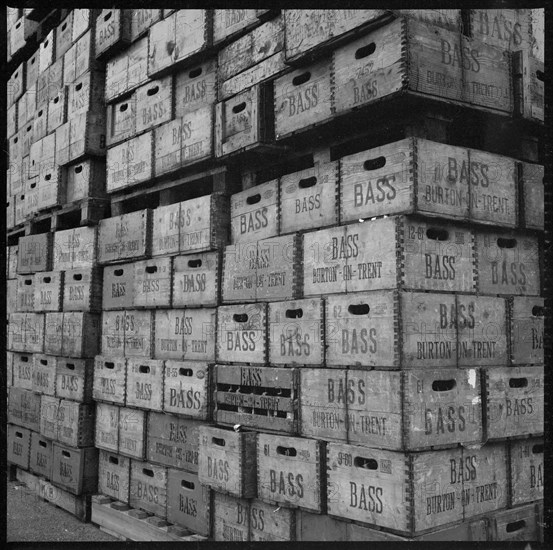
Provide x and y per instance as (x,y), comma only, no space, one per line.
(106,435)
(527,470)
(186,389)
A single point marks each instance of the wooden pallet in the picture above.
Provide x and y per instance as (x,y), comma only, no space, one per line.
(120,520)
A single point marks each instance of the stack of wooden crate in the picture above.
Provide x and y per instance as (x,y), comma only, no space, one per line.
(314,309)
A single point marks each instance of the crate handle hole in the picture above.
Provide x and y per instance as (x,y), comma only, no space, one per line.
(240,317)
(153,91)
(366,463)
(518,382)
(144,369)
(540,75)
(307,182)
(374,164)
(43,361)
(365,51)
(78,169)
(294,313)
(301,79)
(124,107)
(114,460)
(537,449)
(286,451)
(70,366)
(443,385)
(42,443)
(538,311)
(151,268)
(19,435)
(79,86)
(77,276)
(187,484)
(118,272)
(40,113)
(28,282)
(437,234)
(220,442)
(239,108)
(194,73)
(194,263)
(359,309)
(16,140)
(506,243)
(515,526)
(148,472)
(66,454)
(33,185)
(33,60)
(48,177)
(25,359)
(107,16)
(253,199)
(45,45)
(46,279)
(29,128)
(109,365)
(56,99)
(185,372)
(64,26)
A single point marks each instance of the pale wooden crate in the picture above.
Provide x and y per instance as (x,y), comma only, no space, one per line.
(310,199)
(153,283)
(9,365)
(537,31)
(53,333)
(44,374)
(16,331)
(257,398)
(11,262)
(148,488)
(82,290)
(83,20)
(296,463)
(48,291)
(124,237)
(110,379)
(113,31)
(11,297)
(31,71)
(449,19)
(75,248)
(303,98)
(34,332)
(507,263)
(518,524)
(528,74)
(242,334)
(145,384)
(47,50)
(49,83)
(195,87)
(75,470)
(25,293)
(188,502)
(121,118)
(142,20)
(196,278)
(87,135)
(18,446)
(227,461)
(186,389)
(74,379)
(49,411)
(23,366)
(228,23)
(106,434)
(296,332)
(41,455)
(57,111)
(166,449)
(35,253)
(507,29)
(319,527)
(12,119)
(76,423)
(118,286)
(231,518)
(184,141)
(132,433)
(81,334)
(154,103)
(24,408)
(139,334)
(16,85)
(113,333)
(86,93)
(19,34)
(64,35)
(527,470)
(532,193)
(268,525)
(526,326)
(239,273)
(114,474)
(514,400)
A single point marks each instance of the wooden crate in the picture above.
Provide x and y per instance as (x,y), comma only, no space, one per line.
(34,325)
(18,35)
(507,29)
(184,141)
(11,261)
(196,278)
(227,461)
(82,290)
(124,237)
(44,374)
(35,253)
(154,103)
(229,23)
(121,119)
(106,435)
(11,296)
(18,446)
(76,470)
(78,506)
(75,248)
(513,401)
(53,333)
(153,283)
(166,229)
(244,122)
(57,111)
(80,58)
(173,441)
(290,472)
(231,518)
(118,286)
(145,384)
(132,433)
(87,135)
(74,379)
(114,475)
(142,20)
(242,334)
(303,99)
(110,379)
(64,35)
(26,293)
(40,122)
(49,411)
(23,366)
(529,86)
(195,87)
(258,398)
(296,333)
(255,213)
(24,408)
(526,469)
(169,328)
(16,85)
(86,179)
(449,19)
(48,291)
(169,46)
(113,333)
(268,525)
(188,502)
(319,527)
(81,334)
(148,489)
(32,70)
(520,524)
(526,325)
(16,331)
(12,119)
(481,331)
(429,256)
(76,423)
(86,93)
(531,177)
(47,50)
(113,32)
(507,263)
(49,83)
(40,461)
(139,334)
(10,213)
(186,386)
